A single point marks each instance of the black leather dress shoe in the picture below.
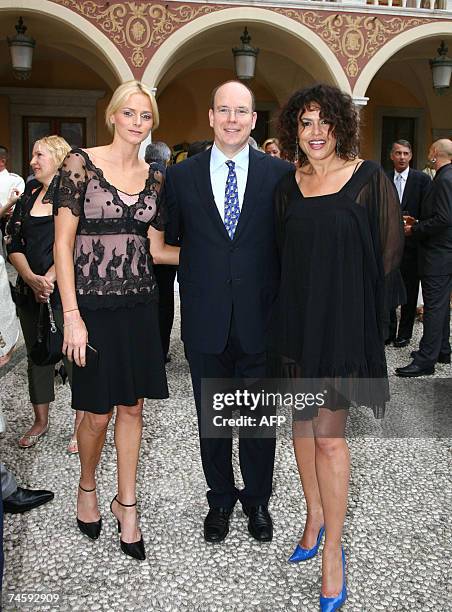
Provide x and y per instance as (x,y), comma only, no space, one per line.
(25,499)
(401,342)
(260,523)
(412,370)
(216,524)
(389,340)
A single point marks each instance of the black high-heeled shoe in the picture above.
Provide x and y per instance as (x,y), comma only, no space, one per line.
(132,549)
(92,530)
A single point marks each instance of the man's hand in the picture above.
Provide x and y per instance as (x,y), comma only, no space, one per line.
(7,209)
(408,223)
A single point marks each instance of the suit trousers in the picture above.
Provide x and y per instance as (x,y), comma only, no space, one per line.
(435,339)
(165,275)
(8,482)
(410,275)
(256,455)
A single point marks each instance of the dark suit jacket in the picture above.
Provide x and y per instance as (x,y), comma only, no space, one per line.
(416,188)
(217,275)
(434,230)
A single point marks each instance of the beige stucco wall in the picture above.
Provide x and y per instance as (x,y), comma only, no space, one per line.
(184,105)
(384,93)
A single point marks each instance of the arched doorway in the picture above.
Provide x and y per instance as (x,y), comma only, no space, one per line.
(402,101)
(75,68)
(198,57)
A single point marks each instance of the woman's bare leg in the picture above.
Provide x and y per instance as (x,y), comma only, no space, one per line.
(128,430)
(333,473)
(91,438)
(304,447)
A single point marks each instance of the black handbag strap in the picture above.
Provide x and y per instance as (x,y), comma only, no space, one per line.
(53,327)
(45,310)
(41,323)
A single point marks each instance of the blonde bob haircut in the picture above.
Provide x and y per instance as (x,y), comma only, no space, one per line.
(57,146)
(119,99)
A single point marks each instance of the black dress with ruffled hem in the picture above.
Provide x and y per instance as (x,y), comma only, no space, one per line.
(339,277)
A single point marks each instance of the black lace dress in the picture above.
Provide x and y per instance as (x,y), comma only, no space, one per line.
(115,285)
(339,276)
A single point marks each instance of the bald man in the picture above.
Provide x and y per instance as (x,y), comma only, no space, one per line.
(434,234)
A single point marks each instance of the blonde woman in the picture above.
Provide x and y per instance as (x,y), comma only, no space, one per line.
(272,147)
(109,212)
(30,234)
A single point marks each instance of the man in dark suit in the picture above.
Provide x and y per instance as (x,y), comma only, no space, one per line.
(411,186)
(221,208)
(434,233)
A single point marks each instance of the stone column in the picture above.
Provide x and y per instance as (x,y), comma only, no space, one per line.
(148,140)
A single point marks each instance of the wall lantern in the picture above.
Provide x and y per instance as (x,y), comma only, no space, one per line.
(21,48)
(441,69)
(245,58)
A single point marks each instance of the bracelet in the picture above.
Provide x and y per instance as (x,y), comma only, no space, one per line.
(71,310)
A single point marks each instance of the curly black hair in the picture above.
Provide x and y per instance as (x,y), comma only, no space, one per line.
(335,105)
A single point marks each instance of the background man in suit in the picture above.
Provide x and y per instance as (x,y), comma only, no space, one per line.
(221,208)
(411,186)
(160,153)
(434,232)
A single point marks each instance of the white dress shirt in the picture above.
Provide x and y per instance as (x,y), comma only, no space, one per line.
(8,182)
(219,174)
(404,178)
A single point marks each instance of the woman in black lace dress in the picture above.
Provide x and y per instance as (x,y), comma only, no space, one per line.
(108,216)
(340,237)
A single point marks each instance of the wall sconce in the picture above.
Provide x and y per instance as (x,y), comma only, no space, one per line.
(21,48)
(441,69)
(245,58)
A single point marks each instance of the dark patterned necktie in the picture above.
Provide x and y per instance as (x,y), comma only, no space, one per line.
(231,201)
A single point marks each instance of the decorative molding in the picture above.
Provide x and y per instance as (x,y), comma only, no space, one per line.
(353,38)
(139,28)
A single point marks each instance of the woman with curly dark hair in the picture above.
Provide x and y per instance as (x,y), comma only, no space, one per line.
(340,238)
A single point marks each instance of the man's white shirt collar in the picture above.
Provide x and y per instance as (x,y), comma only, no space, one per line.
(218,158)
(403,174)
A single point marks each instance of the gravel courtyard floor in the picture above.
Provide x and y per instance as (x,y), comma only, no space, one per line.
(397,534)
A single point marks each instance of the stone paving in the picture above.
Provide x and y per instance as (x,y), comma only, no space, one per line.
(397,534)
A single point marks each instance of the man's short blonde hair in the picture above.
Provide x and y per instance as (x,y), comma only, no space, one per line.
(120,96)
(57,146)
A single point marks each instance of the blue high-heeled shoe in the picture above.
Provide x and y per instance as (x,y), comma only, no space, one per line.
(330,604)
(303,554)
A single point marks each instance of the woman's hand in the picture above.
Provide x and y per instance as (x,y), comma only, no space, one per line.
(75,338)
(42,287)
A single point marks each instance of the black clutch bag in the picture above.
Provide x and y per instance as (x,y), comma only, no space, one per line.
(47,348)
